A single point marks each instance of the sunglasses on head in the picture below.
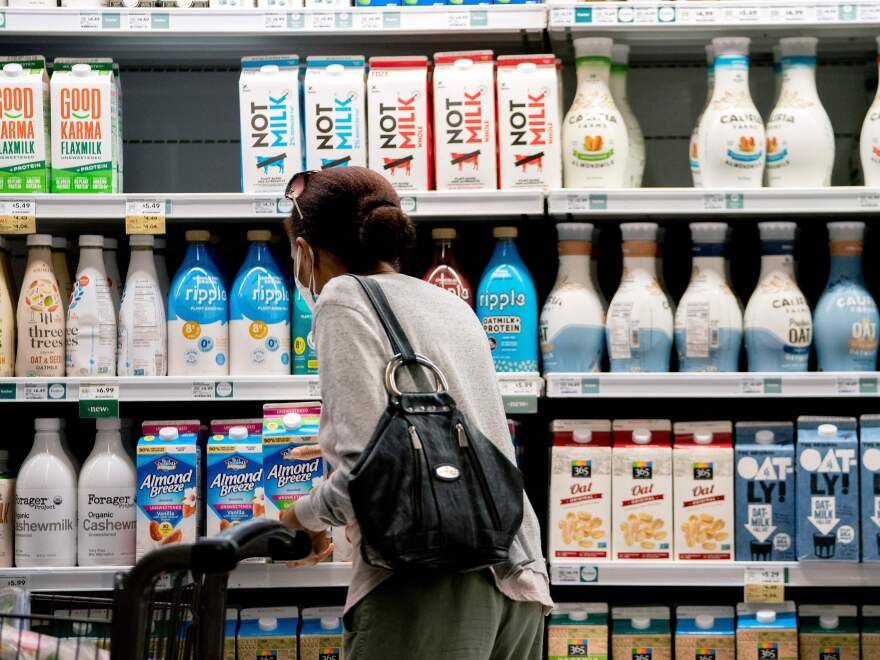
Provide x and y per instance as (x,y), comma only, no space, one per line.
(296,186)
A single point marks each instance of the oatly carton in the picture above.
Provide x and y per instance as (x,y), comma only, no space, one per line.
(271,140)
(464,120)
(766,631)
(580,489)
(705,633)
(268,633)
(702,459)
(235,474)
(25,153)
(829,632)
(827,489)
(870,631)
(320,637)
(641,489)
(640,633)
(400,126)
(869,451)
(529,154)
(765,491)
(335,112)
(168,472)
(578,630)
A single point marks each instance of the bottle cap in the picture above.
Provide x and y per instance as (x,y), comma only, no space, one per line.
(13,69)
(575,231)
(59,243)
(578,615)
(829,621)
(710,54)
(197,236)
(444,234)
(269,69)
(731,46)
(593,47)
(639,231)
(798,46)
(846,231)
(582,436)
(526,67)
(91,241)
(335,69)
(704,621)
(267,622)
(111,244)
(47,424)
(160,243)
(640,622)
(261,235)
(777,231)
(81,70)
(619,54)
(39,240)
(709,232)
(238,433)
(169,433)
(505,232)
(329,622)
(703,438)
(827,430)
(764,437)
(108,424)
(292,421)
(765,616)
(641,436)
(141,240)
(463,64)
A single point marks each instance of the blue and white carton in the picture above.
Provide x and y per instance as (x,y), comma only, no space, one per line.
(869,451)
(320,637)
(268,632)
(705,633)
(235,474)
(767,630)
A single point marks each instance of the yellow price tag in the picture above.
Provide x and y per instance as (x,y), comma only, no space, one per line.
(18,216)
(765,584)
(145,216)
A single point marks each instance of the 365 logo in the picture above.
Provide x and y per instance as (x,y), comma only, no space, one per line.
(642,470)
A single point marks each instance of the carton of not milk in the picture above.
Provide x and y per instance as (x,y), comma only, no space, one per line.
(705,633)
(766,631)
(235,474)
(869,452)
(320,637)
(829,632)
(641,633)
(578,630)
(25,153)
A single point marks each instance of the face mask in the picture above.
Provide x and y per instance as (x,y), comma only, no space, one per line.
(307,293)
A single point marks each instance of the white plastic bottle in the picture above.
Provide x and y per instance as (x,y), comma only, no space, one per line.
(869,142)
(143,340)
(111,267)
(7,511)
(595,143)
(91,318)
(731,135)
(636,159)
(45,502)
(74,461)
(694,149)
(40,316)
(800,139)
(7,324)
(106,503)
(777,73)
(61,269)
(161,267)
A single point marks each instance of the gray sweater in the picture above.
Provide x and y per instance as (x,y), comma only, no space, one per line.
(352,351)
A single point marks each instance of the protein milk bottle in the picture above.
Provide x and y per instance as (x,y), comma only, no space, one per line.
(25,152)
(595,142)
(106,503)
(61,269)
(708,321)
(636,160)
(800,139)
(143,333)
(694,148)
(7,325)
(572,327)
(91,319)
(40,316)
(731,136)
(869,141)
(846,317)
(111,267)
(445,271)
(778,323)
(640,319)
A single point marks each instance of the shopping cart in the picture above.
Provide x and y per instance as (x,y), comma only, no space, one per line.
(170,606)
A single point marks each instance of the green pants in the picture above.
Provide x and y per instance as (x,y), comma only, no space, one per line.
(449,617)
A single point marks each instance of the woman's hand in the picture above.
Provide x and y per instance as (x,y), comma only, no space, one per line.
(322,546)
(307,452)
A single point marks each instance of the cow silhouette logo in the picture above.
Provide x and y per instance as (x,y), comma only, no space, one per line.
(271,162)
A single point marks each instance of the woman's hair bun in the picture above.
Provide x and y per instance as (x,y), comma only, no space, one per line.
(387,233)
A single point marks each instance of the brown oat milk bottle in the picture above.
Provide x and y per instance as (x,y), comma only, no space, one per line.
(40,314)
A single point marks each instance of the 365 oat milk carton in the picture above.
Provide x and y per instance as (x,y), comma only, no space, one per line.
(578,630)
(702,460)
(640,633)
(869,451)
(464,120)
(765,491)
(870,631)
(235,474)
(400,126)
(85,125)
(829,632)
(827,489)
(529,154)
(230,631)
(320,637)
(271,140)
(168,473)
(335,110)
(268,632)
(766,631)
(641,489)
(580,489)
(705,633)
(25,153)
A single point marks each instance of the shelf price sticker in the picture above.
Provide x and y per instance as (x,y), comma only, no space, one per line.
(14,580)
(44,392)
(146,216)
(856,385)
(458,19)
(314,389)
(98,400)
(573,574)
(90,22)
(323,21)
(275,21)
(18,216)
(765,584)
(869,200)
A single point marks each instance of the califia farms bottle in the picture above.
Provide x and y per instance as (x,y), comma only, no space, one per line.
(619,72)
(694,148)
(869,142)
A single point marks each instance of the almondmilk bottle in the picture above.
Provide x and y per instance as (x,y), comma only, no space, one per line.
(694,148)
(91,319)
(198,314)
(800,139)
(869,140)
(731,135)
(25,153)
(778,322)
(846,317)
(142,329)
(40,316)
(572,324)
(61,269)
(507,306)
(619,70)
(640,319)
(708,320)
(111,267)
(259,313)
(595,141)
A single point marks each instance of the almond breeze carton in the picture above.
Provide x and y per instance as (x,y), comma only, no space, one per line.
(235,474)
(25,153)
(640,633)
(869,451)
(320,637)
(870,631)
(702,460)
(268,632)
(335,110)
(766,631)
(829,632)
(827,489)
(580,490)
(705,633)
(642,489)
(765,491)
(578,630)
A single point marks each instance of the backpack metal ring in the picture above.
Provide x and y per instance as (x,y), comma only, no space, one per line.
(440,384)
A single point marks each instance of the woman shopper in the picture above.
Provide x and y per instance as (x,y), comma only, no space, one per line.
(348,220)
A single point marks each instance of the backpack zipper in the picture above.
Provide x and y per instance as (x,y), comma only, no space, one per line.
(416,443)
(478,468)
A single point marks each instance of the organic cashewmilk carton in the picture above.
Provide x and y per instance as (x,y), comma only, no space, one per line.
(870,631)
(827,488)
(167,484)
(25,153)
(578,630)
(829,632)
(641,489)
(464,120)
(702,459)
(869,452)
(400,127)
(268,632)
(235,474)
(320,637)
(335,110)
(705,633)
(580,489)
(640,633)
(766,631)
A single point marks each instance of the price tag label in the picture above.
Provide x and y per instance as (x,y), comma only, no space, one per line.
(18,216)
(846,385)
(793,13)
(699,15)
(145,216)
(752,385)
(713,202)
(561,16)
(743,14)
(139,23)
(36,392)
(458,19)
(604,15)
(575,574)
(323,21)
(646,15)
(275,21)
(577,202)
(869,12)
(826,13)
(201,390)
(765,584)
(567,386)
(869,200)
(98,400)
(265,206)
(369,20)
(14,580)
(90,22)
(314,389)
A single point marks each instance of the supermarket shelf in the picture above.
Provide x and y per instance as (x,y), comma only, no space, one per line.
(521,392)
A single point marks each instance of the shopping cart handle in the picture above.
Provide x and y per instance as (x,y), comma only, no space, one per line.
(268,538)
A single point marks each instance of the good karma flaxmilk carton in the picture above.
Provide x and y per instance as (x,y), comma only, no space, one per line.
(235,474)
(25,153)
(869,451)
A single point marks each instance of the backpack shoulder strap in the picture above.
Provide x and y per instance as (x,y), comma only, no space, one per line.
(396,336)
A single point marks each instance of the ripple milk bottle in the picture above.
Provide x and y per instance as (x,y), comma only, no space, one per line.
(694,148)
(869,141)
(336,133)
(636,159)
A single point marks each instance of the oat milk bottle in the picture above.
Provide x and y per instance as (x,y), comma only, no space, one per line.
(708,321)
(106,501)
(800,140)
(7,326)
(91,319)
(640,319)
(636,160)
(731,134)
(161,267)
(45,502)
(869,141)
(7,512)
(595,142)
(572,324)
(846,316)
(61,269)
(111,267)
(143,339)
(40,316)
(25,153)
(694,148)
(778,323)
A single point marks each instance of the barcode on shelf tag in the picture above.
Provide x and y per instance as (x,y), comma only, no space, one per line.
(202,390)
(275,21)
(323,21)
(765,584)
(146,216)
(847,385)
(752,385)
(90,22)
(314,389)
(14,580)
(458,19)
(18,216)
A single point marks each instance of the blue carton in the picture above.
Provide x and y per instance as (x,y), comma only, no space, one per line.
(377,3)
(869,451)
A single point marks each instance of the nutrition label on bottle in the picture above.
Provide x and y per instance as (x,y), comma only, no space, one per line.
(698,330)
(624,330)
